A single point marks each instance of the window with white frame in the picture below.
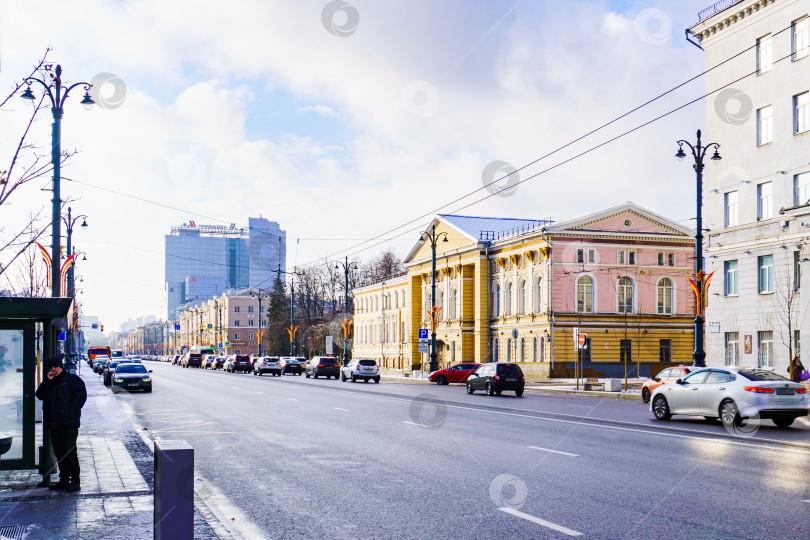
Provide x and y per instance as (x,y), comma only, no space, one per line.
(250,322)
(236,335)
(440,304)
(495,350)
(522,297)
(801,189)
(765,348)
(764,125)
(250,309)
(631,257)
(665,296)
(624,295)
(731,287)
(801,113)
(764,54)
(670,259)
(591,256)
(580,255)
(800,38)
(730,208)
(661,256)
(507,299)
(453,304)
(732,348)
(251,335)
(237,322)
(585,294)
(621,256)
(236,309)
(538,291)
(765,264)
(765,201)
(496,300)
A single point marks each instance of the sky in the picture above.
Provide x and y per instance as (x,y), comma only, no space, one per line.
(343,120)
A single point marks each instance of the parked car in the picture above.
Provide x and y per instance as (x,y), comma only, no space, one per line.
(291,364)
(667,376)
(267,364)
(192,360)
(208,361)
(360,368)
(496,377)
(99,362)
(219,362)
(131,377)
(733,395)
(455,374)
(178,359)
(323,366)
(237,362)
(110,367)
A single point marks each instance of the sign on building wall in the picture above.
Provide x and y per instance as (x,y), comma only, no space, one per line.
(714,327)
(747,342)
(329,345)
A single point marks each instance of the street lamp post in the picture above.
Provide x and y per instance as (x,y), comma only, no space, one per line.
(433,237)
(71,292)
(57,94)
(259,295)
(346,267)
(699,153)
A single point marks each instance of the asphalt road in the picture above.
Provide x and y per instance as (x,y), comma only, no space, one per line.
(320,458)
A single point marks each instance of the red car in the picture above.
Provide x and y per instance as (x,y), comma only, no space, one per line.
(668,376)
(458,373)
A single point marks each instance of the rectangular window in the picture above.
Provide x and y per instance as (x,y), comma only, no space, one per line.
(766,274)
(580,255)
(665,350)
(626,350)
(765,201)
(586,351)
(236,309)
(732,348)
(620,256)
(631,257)
(764,54)
(730,204)
(801,113)
(670,259)
(730,270)
(797,270)
(765,348)
(800,34)
(250,323)
(236,323)
(591,255)
(660,258)
(796,343)
(251,335)
(764,125)
(801,189)
(236,336)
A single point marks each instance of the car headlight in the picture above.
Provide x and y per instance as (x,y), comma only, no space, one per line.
(117,379)
(147,379)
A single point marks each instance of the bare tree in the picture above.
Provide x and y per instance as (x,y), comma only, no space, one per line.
(32,276)
(785,302)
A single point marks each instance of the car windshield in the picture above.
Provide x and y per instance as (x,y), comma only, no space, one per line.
(753,374)
(328,361)
(509,370)
(367,363)
(130,369)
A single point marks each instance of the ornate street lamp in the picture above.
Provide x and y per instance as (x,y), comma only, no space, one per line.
(69,222)
(346,323)
(699,153)
(434,238)
(57,94)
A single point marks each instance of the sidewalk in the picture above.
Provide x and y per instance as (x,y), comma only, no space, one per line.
(117,470)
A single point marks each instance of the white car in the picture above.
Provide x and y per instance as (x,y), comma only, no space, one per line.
(733,395)
(360,368)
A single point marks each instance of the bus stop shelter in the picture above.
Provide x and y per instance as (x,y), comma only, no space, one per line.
(24,321)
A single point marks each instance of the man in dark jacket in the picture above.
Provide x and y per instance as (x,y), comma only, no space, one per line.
(63,395)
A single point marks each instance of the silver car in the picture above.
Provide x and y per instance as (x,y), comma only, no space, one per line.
(360,368)
(733,395)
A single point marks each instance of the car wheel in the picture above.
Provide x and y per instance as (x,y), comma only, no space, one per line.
(376,380)
(730,414)
(254,372)
(148,390)
(519,392)
(783,422)
(441,380)
(314,375)
(661,408)
(307,374)
(490,390)
(470,389)
(497,392)
(342,377)
(645,395)
(354,379)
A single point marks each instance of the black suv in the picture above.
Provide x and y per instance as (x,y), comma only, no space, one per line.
(323,366)
(496,377)
(192,360)
(238,362)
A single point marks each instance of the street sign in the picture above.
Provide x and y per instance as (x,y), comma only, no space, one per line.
(62,336)
(714,327)
(219,345)
(423,334)
(177,327)
(581,340)
(329,345)
(424,347)
(210,326)
(227,343)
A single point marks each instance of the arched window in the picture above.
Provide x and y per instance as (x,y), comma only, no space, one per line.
(496,300)
(440,304)
(534,349)
(665,296)
(522,357)
(453,304)
(508,349)
(495,350)
(538,295)
(624,291)
(403,298)
(507,299)
(522,299)
(585,294)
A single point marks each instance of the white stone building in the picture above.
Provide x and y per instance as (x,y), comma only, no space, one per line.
(757,199)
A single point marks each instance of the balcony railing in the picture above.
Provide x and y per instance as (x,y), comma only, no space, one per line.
(717,7)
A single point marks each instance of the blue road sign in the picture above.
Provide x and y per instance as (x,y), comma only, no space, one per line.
(423,333)
(62,336)
(177,327)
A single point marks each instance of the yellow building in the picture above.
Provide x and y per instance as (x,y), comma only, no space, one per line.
(618,275)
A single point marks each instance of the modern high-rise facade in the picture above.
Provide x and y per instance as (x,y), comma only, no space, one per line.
(757,198)
(203,261)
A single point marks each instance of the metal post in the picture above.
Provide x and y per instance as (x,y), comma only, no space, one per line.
(346,310)
(434,364)
(292,310)
(56,201)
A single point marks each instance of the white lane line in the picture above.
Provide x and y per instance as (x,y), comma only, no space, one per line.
(259,392)
(339,409)
(553,451)
(543,522)
(292,399)
(411,424)
(807,501)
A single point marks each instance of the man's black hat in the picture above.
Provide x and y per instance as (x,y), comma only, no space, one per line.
(53,362)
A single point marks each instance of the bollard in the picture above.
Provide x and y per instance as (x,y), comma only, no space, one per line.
(174,490)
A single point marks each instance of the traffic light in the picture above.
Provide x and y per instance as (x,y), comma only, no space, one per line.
(102,327)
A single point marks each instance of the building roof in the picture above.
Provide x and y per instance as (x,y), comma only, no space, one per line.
(589,222)
(488,228)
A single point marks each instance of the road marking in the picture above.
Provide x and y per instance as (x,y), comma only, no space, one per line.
(292,399)
(259,392)
(185,426)
(543,522)
(339,409)
(554,451)
(412,424)
(206,432)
